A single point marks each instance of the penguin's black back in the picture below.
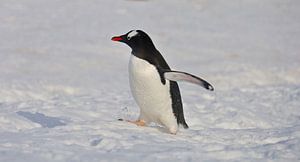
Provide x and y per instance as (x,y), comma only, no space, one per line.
(177,104)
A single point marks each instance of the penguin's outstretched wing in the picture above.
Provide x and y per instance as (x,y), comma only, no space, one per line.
(183,76)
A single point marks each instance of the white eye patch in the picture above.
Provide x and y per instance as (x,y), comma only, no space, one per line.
(132,34)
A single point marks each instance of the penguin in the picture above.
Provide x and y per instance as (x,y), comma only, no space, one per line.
(154,85)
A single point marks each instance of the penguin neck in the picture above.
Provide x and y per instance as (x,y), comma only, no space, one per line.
(144,53)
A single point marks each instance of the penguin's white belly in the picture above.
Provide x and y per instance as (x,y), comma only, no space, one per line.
(151,95)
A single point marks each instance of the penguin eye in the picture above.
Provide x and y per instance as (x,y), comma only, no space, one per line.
(132,34)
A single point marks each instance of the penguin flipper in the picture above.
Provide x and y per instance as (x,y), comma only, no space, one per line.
(183,76)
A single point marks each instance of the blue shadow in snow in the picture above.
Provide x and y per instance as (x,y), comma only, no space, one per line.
(43,120)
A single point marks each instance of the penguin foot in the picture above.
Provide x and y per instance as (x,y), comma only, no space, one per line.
(173,130)
(137,122)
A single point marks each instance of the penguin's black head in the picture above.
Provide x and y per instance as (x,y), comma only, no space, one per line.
(138,40)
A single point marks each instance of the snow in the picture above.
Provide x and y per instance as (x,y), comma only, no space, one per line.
(64,83)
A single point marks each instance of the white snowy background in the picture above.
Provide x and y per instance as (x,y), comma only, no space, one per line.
(64,83)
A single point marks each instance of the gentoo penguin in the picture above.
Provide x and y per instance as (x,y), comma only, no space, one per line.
(153,84)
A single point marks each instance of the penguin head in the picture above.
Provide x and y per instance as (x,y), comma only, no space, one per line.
(137,40)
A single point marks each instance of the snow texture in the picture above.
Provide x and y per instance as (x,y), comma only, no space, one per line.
(64,83)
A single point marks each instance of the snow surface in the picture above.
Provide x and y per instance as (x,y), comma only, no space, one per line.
(64,84)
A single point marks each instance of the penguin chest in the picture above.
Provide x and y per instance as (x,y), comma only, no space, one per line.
(152,96)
